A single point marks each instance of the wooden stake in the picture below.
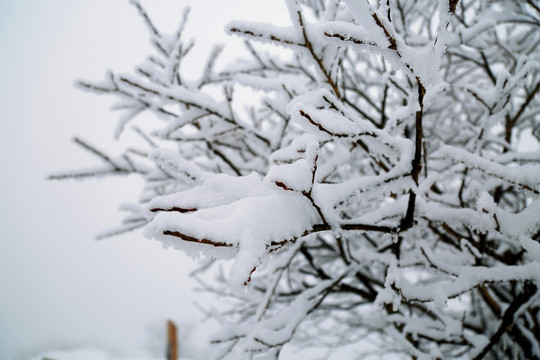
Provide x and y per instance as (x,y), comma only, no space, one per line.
(172,341)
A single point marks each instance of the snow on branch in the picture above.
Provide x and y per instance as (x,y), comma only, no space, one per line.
(383,189)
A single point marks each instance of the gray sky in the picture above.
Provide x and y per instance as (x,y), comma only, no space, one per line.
(58,286)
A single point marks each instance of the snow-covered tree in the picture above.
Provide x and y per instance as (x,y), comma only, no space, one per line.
(379,187)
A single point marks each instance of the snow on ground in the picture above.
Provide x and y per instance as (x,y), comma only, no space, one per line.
(88,354)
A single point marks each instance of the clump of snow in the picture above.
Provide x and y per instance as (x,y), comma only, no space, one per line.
(243,213)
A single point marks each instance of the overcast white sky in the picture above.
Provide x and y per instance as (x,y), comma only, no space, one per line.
(58,286)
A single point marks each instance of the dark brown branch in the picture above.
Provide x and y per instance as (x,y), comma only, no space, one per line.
(383,107)
(97,152)
(277,244)
(408,221)
(488,298)
(86,174)
(309,46)
(417,160)
(508,318)
(350,39)
(324,276)
(393,43)
(95,88)
(150,25)
(536,7)
(224,158)
(323,129)
(264,36)
(173,209)
(193,239)
(525,104)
